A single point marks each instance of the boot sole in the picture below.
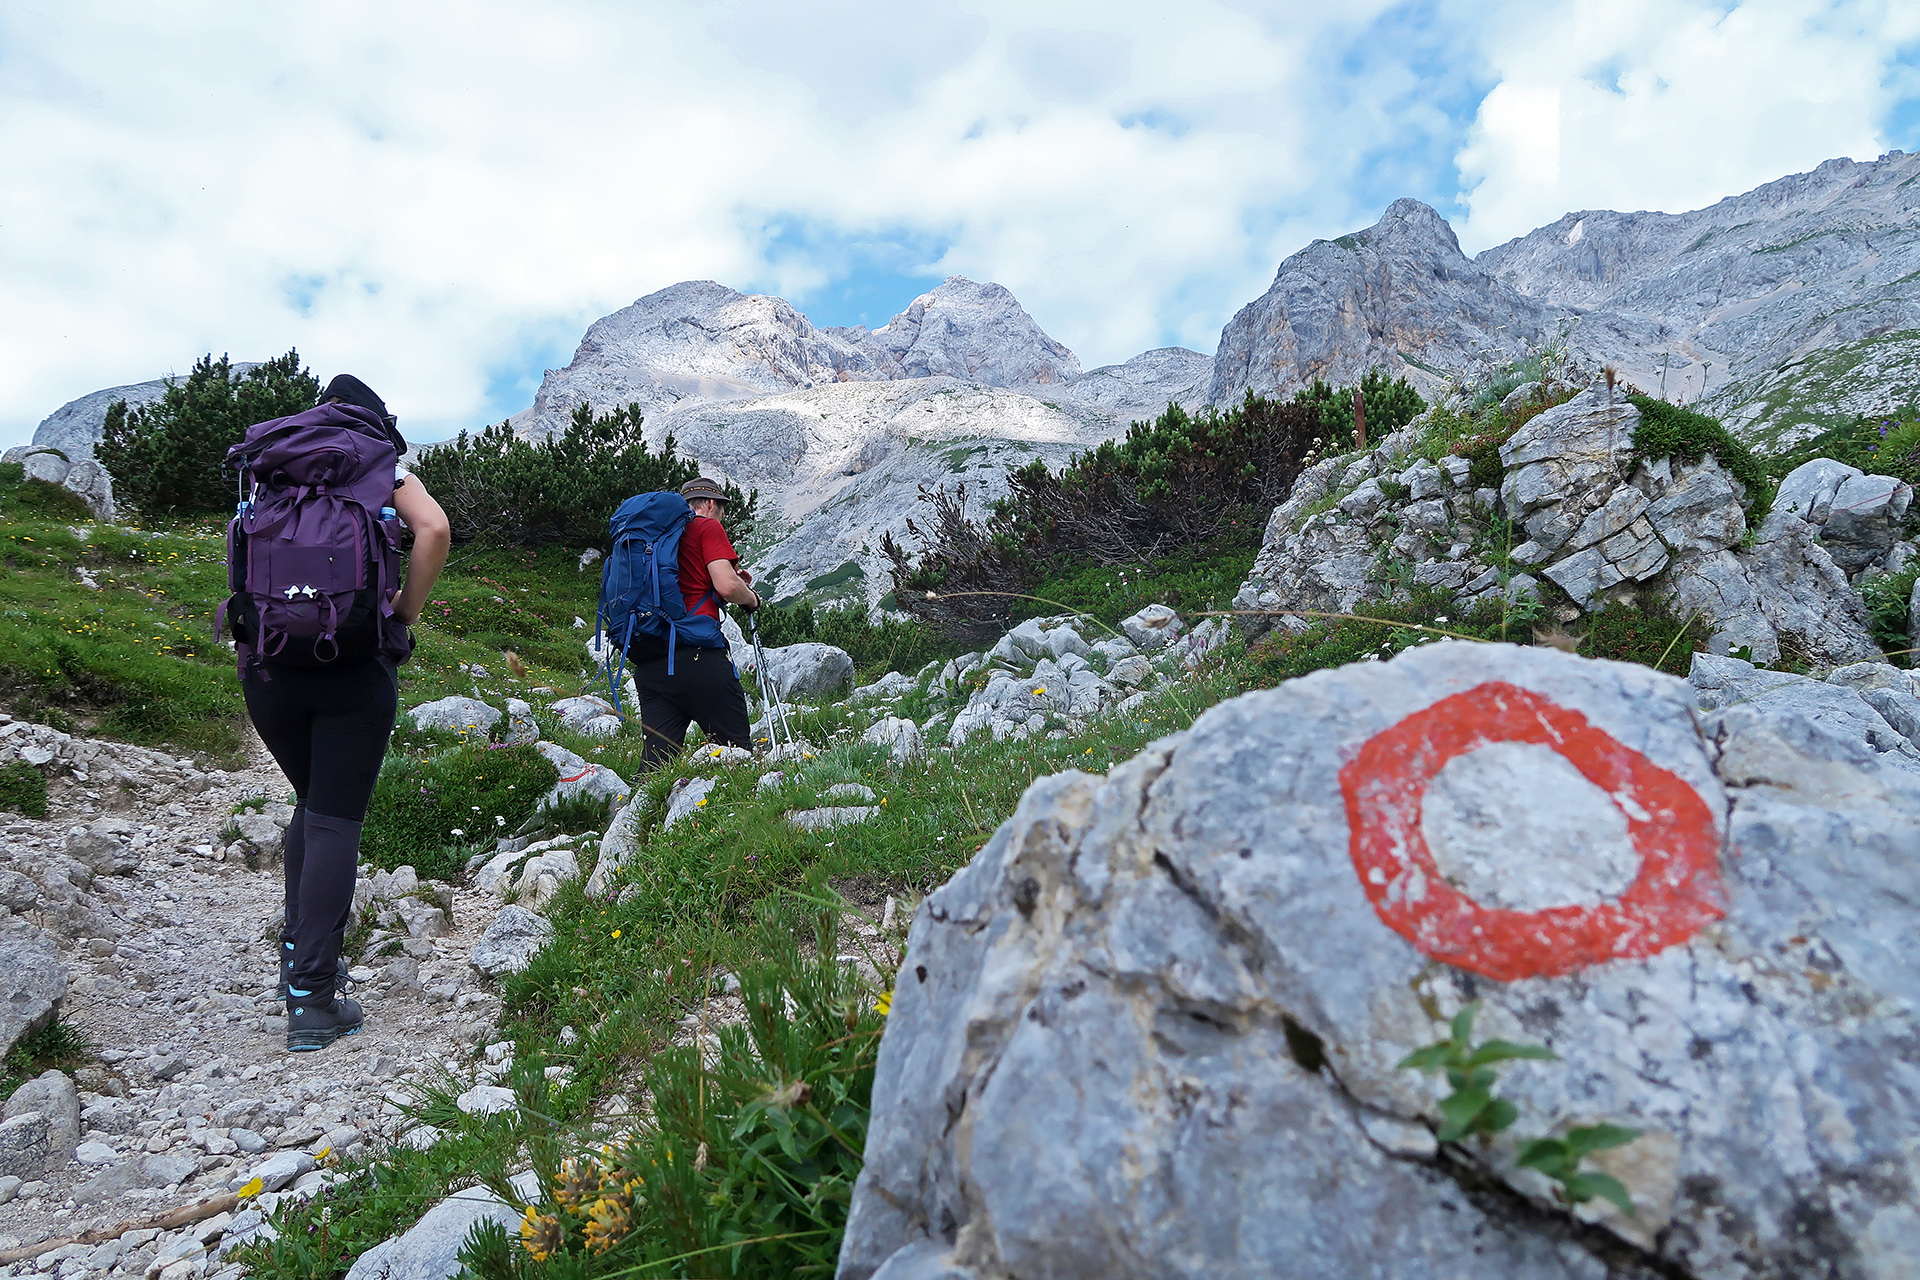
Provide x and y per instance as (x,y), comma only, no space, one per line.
(308,1041)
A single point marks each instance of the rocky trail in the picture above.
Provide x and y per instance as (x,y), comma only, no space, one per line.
(169,939)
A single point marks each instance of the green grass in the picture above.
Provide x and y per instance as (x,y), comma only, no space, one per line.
(433,814)
(58,1045)
(23,789)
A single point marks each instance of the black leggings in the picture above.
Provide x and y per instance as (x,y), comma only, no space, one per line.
(328,731)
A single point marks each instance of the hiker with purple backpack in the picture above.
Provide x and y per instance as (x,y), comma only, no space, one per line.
(320,617)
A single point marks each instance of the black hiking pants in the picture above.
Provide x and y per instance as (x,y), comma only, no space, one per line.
(328,731)
(703,689)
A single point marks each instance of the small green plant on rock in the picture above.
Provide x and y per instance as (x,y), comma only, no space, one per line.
(1471,1108)
(1559,1159)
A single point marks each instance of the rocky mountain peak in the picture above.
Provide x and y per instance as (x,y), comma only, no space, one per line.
(965,329)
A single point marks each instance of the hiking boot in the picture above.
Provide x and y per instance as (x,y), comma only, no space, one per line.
(316,1019)
(341,981)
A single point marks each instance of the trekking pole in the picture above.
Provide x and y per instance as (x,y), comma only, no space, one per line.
(777,725)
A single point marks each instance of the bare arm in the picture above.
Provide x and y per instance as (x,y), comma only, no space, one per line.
(431,538)
(731,585)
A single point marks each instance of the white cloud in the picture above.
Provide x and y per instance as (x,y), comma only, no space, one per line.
(1668,104)
(437,197)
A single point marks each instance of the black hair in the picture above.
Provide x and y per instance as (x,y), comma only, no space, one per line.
(350,389)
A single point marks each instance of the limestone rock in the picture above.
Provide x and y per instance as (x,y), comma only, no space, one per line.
(888,687)
(26,1147)
(522,728)
(1153,627)
(1146,986)
(53,1097)
(140,1171)
(830,816)
(687,798)
(510,942)
(901,738)
(579,712)
(617,846)
(456,715)
(430,1249)
(809,672)
(33,980)
(1865,520)
(102,846)
(580,777)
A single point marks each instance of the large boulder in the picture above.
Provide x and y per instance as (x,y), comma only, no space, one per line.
(52,1096)
(580,777)
(809,672)
(33,980)
(1154,1028)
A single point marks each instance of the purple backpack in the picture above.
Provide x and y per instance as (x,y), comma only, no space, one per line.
(313,549)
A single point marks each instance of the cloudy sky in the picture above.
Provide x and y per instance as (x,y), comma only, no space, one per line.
(440,197)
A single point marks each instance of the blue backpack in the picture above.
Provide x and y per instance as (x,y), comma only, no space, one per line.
(640,585)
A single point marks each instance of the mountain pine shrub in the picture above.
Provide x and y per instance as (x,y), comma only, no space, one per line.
(503,491)
(1184,485)
(169,457)
(1390,405)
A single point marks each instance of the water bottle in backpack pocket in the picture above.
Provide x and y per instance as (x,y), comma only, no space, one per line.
(313,550)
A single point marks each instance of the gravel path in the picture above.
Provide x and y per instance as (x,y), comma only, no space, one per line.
(173,966)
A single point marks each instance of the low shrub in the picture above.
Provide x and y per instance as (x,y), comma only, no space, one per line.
(1888,596)
(1181,485)
(505,491)
(431,814)
(24,499)
(1670,431)
(58,1045)
(23,789)
(1389,406)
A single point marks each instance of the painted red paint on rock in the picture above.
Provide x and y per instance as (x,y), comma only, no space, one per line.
(1677,891)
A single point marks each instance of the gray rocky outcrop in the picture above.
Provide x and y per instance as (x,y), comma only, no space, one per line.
(1597,520)
(1399,296)
(1153,1028)
(1786,309)
(580,777)
(83,476)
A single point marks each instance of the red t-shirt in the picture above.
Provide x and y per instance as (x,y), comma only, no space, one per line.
(703,542)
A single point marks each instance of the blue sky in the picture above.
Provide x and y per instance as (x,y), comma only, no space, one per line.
(444,207)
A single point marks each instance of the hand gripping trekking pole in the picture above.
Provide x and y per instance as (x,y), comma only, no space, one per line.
(777,726)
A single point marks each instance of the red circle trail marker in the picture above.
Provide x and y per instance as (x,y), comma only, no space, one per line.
(1677,891)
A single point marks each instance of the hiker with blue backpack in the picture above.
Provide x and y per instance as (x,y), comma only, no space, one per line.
(671,568)
(320,617)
